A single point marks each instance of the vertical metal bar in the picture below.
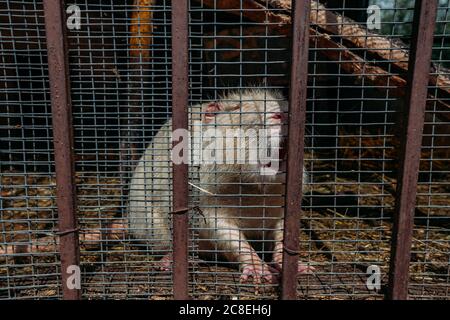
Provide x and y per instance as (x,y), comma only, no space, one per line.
(411,142)
(297,111)
(180,96)
(58,69)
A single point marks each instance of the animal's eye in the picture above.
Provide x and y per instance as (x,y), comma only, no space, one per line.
(277,116)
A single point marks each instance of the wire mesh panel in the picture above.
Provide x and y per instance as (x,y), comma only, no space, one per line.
(352,153)
(244,65)
(29,261)
(120,73)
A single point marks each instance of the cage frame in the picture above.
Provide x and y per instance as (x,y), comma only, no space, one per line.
(420,58)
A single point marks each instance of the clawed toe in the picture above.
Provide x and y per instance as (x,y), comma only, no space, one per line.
(257,274)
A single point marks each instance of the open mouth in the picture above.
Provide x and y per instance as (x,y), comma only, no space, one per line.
(282,155)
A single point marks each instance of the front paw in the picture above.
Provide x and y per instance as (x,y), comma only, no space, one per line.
(257,273)
(165,264)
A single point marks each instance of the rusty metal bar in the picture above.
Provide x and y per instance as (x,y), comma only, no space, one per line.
(58,69)
(296,134)
(180,97)
(411,142)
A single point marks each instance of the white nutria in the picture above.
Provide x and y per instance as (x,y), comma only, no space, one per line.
(238,204)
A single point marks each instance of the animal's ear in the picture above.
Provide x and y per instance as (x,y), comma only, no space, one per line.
(211,110)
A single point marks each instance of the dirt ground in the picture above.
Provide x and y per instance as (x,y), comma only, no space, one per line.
(340,237)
